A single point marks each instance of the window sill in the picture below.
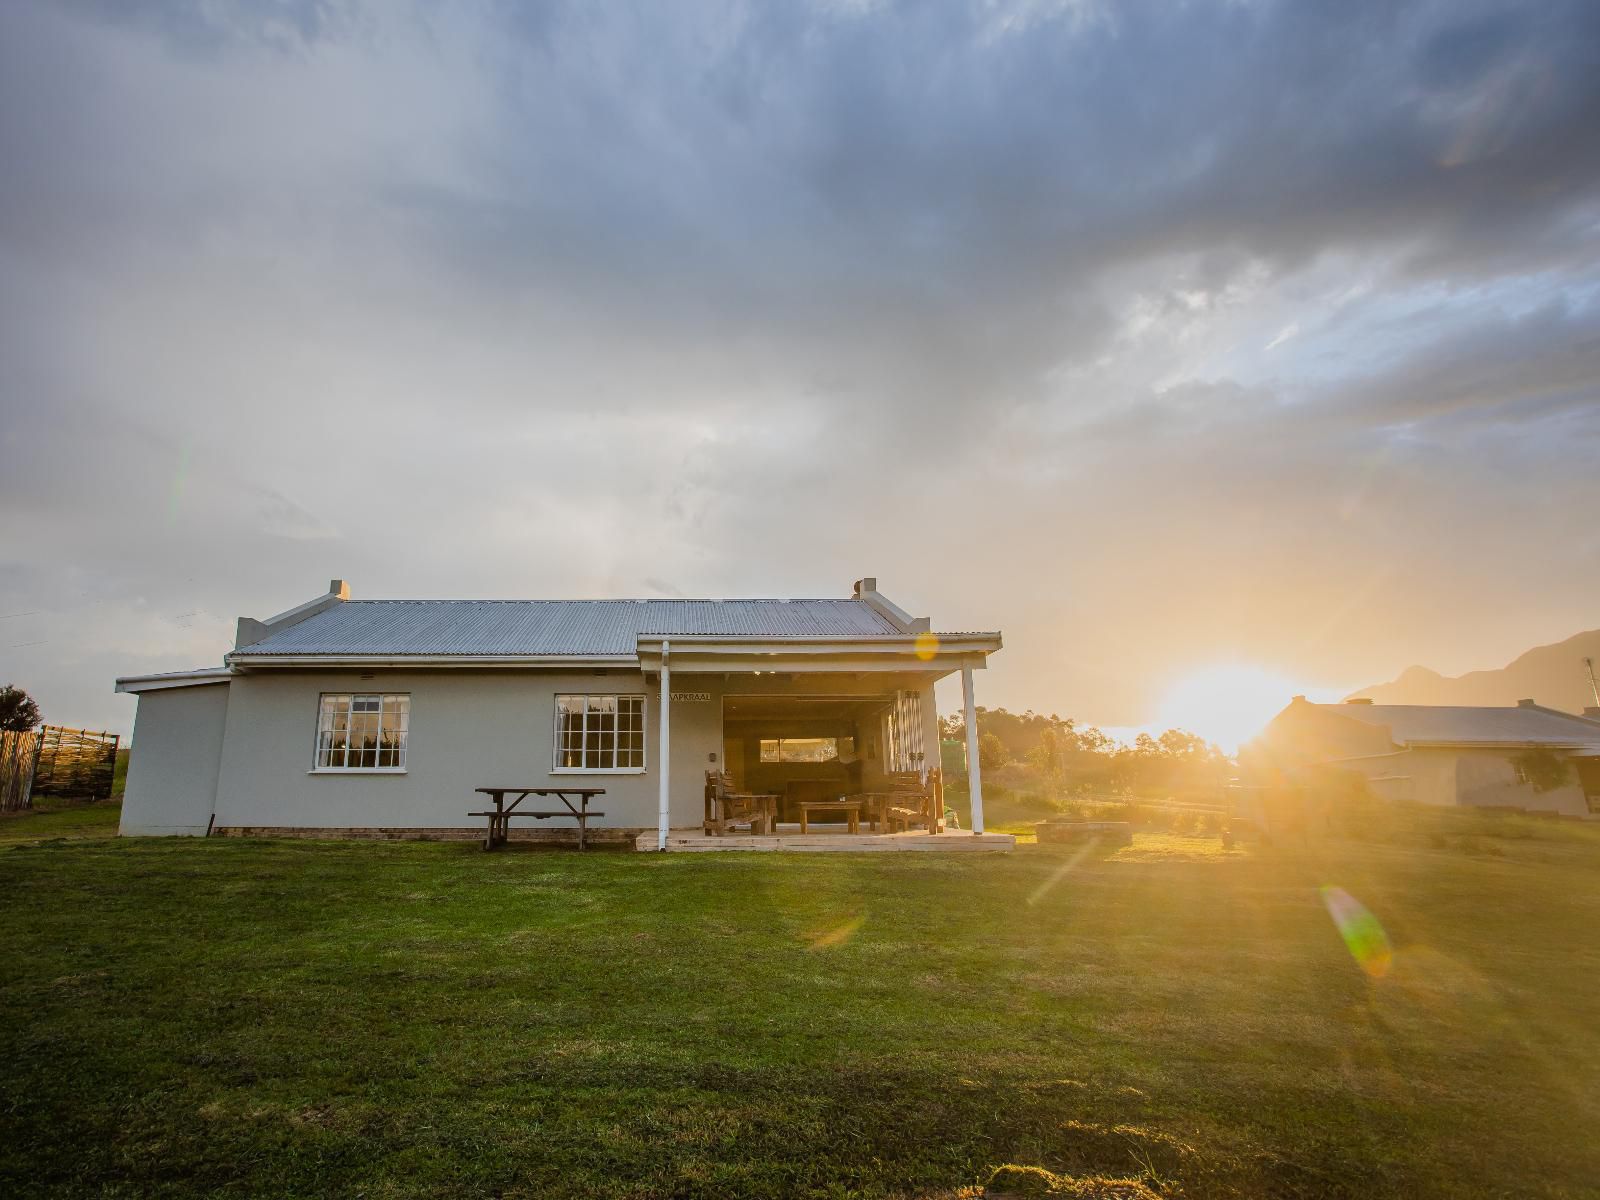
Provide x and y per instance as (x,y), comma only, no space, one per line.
(599,771)
(356,771)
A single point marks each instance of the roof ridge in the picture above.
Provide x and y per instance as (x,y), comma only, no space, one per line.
(1343,704)
(624,600)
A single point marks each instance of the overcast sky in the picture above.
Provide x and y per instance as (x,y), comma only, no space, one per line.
(1156,335)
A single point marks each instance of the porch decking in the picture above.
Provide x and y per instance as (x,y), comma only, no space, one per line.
(790,839)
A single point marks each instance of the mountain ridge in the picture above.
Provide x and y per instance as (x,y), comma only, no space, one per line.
(1552,675)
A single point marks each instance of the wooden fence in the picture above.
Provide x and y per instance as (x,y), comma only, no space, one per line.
(75,764)
(17,753)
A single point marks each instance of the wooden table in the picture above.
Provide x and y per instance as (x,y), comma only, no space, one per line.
(850,808)
(500,816)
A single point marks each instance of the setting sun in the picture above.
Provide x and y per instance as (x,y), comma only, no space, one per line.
(1228,703)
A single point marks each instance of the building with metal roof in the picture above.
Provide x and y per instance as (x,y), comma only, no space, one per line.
(1524,757)
(542,628)
(384,715)
(1526,725)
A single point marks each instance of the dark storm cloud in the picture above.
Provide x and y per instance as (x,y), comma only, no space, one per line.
(567,298)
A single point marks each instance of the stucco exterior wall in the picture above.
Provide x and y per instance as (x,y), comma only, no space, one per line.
(473,729)
(1471,777)
(174,762)
(467,730)
(1431,776)
(1487,778)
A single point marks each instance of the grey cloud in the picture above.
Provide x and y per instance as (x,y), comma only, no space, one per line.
(198,27)
(564,299)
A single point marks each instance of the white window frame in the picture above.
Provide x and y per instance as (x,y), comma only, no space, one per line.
(316,737)
(644,734)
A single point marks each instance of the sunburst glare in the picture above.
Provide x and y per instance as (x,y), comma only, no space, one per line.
(1230,703)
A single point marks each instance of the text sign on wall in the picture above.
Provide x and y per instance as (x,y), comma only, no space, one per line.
(691,697)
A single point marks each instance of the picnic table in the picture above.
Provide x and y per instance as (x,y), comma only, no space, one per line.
(500,816)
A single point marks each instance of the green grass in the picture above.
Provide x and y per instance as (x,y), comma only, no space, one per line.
(307,1019)
(60,819)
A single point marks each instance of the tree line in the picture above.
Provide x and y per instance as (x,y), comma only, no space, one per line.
(1063,757)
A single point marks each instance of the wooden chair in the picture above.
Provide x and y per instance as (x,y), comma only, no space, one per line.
(915,801)
(726,808)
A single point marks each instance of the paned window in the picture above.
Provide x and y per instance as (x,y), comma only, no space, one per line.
(362,732)
(599,733)
(805,749)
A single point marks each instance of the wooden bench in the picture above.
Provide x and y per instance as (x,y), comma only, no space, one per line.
(911,800)
(500,816)
(726,807)
(901,818)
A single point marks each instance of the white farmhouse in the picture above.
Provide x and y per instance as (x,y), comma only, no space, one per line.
(1444,755)
(346,717)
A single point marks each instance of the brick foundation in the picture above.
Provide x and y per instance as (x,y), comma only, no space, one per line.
(611,836)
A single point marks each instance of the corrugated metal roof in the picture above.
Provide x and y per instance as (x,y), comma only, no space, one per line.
(559,627)
(1443,725)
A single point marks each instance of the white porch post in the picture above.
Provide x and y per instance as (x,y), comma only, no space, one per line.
(974,775)
(664,756)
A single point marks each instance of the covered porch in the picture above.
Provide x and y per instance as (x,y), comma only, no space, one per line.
(807,744)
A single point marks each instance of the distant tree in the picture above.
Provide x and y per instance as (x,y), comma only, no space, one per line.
(1542,767)
(18,712)
(1019,731)
(1049,757)
(992,752)
(1180,743)
(1177,759)
(1090,740)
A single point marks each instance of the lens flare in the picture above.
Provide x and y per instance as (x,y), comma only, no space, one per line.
(838,935)
(1362,933)
(926,646)
(1062,871)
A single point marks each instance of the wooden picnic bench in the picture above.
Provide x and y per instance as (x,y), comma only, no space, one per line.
(500,816)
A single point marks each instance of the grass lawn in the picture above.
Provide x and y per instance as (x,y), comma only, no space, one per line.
(59,819)
(227,1017)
